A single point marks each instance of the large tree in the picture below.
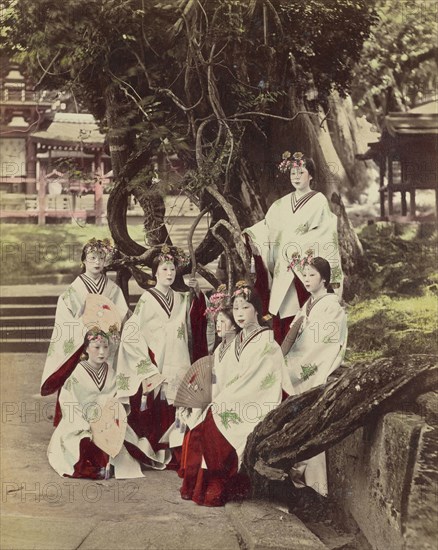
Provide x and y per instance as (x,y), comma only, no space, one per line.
(398,65)
(226,86)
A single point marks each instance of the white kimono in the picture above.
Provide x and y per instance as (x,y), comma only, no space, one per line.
(318,350)
(81,399)
(291,226)
(159,323)
(69,330)
(224,365)
(252,384)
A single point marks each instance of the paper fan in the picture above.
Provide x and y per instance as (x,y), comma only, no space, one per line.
(100,312)
(108,430)
(195,388)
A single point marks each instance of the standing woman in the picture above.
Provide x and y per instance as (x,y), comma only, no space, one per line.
(67,340)
(295,226)
(255,382)
(159,342)
(314,347)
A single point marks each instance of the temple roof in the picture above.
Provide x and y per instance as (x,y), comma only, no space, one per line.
(73,130)
(422,120)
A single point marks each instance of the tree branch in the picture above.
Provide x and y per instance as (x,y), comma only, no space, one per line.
(306,424)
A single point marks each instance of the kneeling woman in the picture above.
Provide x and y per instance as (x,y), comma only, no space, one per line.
(71,452)
(256,379)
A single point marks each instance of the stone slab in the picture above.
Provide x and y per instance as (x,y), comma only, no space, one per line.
(421,514)
(371,474)
(27,533)
(262,526)
(428,403)
(169,531)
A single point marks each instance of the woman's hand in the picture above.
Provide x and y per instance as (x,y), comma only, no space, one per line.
(193,283)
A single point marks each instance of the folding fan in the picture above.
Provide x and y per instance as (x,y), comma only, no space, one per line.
(108,430)
(291,336)
(195,388)
(101,312)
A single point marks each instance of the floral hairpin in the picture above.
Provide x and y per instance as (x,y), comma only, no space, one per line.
(219,300)
(97,245)
(96,334)
(297,161)
(299,263)
(243,290)
(178,257)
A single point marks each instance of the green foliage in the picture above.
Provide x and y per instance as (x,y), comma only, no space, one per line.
(398,65)
(395,311)
(386,326)
(128,55)
(396,260)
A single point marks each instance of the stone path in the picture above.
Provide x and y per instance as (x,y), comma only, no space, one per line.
(42,511)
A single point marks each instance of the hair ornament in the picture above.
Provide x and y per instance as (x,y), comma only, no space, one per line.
(299,263)
(290,161)
(96,334)
(243,290)
(177,257)
(97,245)
(219,300)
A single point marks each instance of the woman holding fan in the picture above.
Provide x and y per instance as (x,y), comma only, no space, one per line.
(255,380)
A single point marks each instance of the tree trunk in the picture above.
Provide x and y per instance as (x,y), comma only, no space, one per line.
(126,165)
(344,133)
(307,424)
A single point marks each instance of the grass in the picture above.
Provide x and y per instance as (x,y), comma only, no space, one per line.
(29,250)
(388,326)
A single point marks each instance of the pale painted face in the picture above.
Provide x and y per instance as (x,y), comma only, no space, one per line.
(244,313)
(166,274)
(98,351)
(223,325)
(300,178)
(94,263)
(313,280)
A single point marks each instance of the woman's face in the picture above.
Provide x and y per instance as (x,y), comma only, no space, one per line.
(166,274)
(223,324)
(94,263)
(98,351)
(312,279)
(300,178)
(244,313)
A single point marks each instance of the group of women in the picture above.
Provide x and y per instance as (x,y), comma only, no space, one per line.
(100,353)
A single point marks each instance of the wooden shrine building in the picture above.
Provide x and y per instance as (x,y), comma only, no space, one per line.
(407,157)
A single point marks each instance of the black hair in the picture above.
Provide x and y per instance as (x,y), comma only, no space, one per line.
(251,296)
(228,311)
(310,166)
(91,335)
(323,268)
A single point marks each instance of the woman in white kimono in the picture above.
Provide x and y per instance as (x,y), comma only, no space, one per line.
(71,451)
(220,311)
(295,226)
(159,342)
(317,348)
(256,380)
(66,344)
